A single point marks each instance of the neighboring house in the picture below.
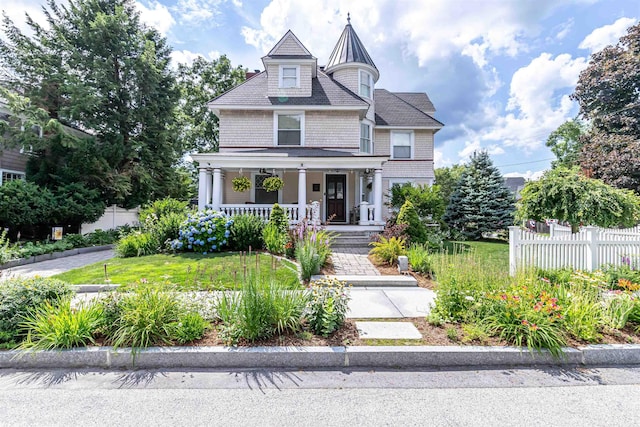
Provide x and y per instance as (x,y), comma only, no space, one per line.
(13,162)
(515,184)
(336,140)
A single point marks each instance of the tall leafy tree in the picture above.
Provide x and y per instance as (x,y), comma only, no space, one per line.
(98,68)
(480,203)
(447,178)
(608,92)
(566,143)
(568,195)
(199,83)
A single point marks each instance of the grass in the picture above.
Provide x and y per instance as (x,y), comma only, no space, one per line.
(494,252)
(186,271)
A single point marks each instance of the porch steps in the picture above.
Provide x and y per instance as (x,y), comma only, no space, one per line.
(351,239)
(374,281)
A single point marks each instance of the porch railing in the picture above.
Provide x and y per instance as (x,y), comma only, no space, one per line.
(264,211)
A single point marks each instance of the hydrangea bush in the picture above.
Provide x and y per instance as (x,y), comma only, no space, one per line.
(203,231)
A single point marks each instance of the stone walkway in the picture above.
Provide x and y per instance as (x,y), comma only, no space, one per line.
(353,261)
(56,266)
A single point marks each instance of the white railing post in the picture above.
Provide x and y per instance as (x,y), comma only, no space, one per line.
(591,234)
(315,212)
(302,194)
(552,230)
(364,213)
(377,199)
(514,234)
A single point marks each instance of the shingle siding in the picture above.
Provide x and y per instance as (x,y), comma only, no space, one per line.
(420,166)
(13,160)
(246,128)
(289,47)
(273,89)
(332,129)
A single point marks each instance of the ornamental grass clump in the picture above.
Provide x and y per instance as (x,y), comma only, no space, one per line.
(327,306)
(203,232)
(388,250)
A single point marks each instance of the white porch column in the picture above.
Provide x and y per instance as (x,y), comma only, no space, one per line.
(202,188)
(361,189)
(217,191)
(302,193)
(208,187)
(377,200)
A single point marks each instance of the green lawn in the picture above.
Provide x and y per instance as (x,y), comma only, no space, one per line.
(495,252)
(187,271)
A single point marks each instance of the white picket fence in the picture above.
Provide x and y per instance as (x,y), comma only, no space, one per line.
(589,249)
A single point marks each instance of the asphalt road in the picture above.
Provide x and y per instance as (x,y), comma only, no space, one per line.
(545,396)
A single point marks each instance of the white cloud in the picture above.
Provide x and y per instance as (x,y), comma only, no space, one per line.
(606,35)
(528,175)
(564,29)
(187,57)
(156,15)
(196,11)
(16,10)
(476,146)
(439,160)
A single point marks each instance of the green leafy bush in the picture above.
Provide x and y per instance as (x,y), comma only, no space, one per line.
(203,231)
(279,218)
(617,308)
(416,229)
(166,229)
(75,240)
(137,244)
(52,326)
(245,232)
(327,307)
(427,199)
(191,327)
(388,250)
(274,238)
(258,311)
(19,296)
(105,237)
(161,208)
(582,311)
(7,251)
(419,259)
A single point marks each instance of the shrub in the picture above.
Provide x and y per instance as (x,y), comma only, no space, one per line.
(191,327)
(258,311)
(274,239)
(203,231)
(327,306)
(307,256)
(388,250)
(52,326)
(583,311)
(557,276)
(18,296)
(427,199)
(7,251)
(167,228)
(104,237)
(279,218)
(137,244)
(75,240)
(614,274)
(416,230)
(391,229)
(246,232)
(474,332)
(617,308)
(161,208)
(150,317)
(419,259)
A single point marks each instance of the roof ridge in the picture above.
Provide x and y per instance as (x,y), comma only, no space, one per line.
(237,86)
(413,106)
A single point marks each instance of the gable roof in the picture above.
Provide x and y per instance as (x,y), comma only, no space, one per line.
(349,49)
(324,92)
(420,100)
(289,46)
(393,110)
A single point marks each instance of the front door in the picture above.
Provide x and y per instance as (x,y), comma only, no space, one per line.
(336,197)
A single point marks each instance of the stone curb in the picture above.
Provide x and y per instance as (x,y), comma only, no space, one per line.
(54,255)
(315,357)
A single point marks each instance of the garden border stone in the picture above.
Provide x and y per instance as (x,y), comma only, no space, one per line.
(316,357)
(54,255)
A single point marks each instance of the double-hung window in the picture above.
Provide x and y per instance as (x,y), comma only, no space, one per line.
(365,139)
(10,176)
(401,144)
(289,76)
(365,84)
(289,129)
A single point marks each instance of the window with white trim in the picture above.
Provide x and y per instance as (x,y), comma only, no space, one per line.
(366,82)
(289,76)
(290,129)
(401,144)
(11,176)
(365,139)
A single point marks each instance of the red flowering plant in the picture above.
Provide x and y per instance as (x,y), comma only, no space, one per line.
(528,314)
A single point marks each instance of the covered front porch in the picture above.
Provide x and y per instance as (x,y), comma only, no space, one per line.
(339,188)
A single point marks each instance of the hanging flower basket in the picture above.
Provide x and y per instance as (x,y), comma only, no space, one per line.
(273,183)
(241,184)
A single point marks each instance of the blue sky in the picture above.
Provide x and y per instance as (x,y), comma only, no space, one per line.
(498,71)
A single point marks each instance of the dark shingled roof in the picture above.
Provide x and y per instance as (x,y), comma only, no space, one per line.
(306,152)
(392,110)
(349,49)
(324,91)
(420,100)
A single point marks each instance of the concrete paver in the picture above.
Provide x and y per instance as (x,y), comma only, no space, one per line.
(388,330)
(57,266)
(353,261)
(412,302)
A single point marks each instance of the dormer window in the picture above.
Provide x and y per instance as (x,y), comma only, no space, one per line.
(366,82)
(289,76)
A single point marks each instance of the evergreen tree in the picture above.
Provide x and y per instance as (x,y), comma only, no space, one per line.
(96,67)
(416,229)
(480,203)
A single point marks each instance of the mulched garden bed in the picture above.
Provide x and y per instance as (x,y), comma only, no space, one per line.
(387,270)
